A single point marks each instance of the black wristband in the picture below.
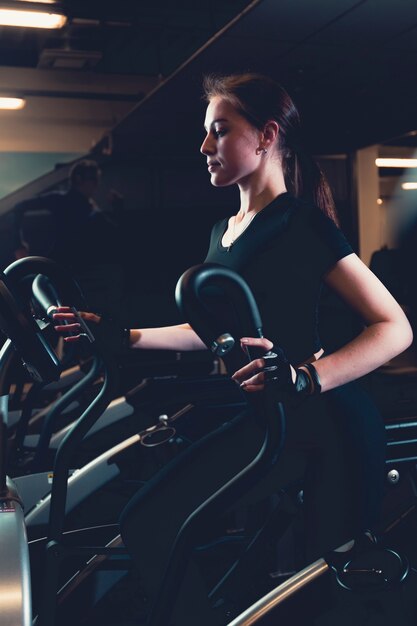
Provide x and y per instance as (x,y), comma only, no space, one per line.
(303,383)
(315,378)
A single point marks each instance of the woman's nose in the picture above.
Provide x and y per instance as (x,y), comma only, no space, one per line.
(206,147)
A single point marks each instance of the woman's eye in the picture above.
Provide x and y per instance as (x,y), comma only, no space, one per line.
(219,132)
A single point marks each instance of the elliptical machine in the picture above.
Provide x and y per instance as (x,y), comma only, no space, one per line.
(44,365)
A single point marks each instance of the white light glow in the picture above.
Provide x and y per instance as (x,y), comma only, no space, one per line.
(31,19)
(396,162)
(12,104)
(408,186)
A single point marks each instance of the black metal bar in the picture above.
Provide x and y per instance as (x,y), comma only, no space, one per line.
(68,447)
(22,425)
(63,458)
(41,454)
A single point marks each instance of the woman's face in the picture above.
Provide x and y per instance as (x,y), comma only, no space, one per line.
(230,145)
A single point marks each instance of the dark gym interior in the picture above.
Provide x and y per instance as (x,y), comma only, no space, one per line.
(120,84)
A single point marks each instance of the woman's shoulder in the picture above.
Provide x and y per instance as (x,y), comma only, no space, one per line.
(319,234)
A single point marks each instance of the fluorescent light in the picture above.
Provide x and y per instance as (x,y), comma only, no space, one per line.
(409,186)
(31,19)
(12,104)
(396,162)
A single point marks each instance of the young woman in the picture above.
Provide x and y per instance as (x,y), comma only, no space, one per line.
(284,240)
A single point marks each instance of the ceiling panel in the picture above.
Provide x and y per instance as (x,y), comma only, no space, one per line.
(233,53)
(292,20)
(372,22)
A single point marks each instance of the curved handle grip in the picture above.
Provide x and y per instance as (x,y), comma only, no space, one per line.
(16,321)
(220,307)
(63,283)
(37,355)
(45,293)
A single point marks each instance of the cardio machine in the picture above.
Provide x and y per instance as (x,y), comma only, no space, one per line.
(44,365)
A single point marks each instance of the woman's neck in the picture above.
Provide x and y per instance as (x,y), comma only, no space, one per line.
(254,198)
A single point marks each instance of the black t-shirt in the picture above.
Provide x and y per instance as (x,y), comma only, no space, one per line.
(283,255)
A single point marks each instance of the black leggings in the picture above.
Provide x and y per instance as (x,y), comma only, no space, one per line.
(335,443)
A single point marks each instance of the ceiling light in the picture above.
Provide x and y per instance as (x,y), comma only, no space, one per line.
(12,104)
(408,186)
(396,162)
(31,19)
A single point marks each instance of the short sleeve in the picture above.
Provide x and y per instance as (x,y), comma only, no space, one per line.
(333,236)
(216,233)
(328,241)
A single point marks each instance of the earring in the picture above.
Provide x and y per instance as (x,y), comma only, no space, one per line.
(263,150)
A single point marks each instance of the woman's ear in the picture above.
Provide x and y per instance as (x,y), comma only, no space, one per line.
(270,134)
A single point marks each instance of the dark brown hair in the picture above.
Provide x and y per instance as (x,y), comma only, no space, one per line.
(259,99)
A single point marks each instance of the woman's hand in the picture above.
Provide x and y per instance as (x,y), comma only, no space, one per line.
(273,368)
(72,325)
(252,377)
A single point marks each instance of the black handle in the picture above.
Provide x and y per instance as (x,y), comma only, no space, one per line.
(64,285)
(221,309)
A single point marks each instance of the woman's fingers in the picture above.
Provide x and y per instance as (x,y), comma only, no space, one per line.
(66,314)
(254,383)
(256,342)
(68,328)
(250,388)
(247,371)
(251,377)
(90,317)
(71,338)
(69,320)
(63,316)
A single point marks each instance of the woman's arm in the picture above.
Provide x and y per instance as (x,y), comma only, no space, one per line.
(180,337)
(387,331)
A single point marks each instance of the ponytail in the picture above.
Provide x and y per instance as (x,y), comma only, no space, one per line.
(305,179)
